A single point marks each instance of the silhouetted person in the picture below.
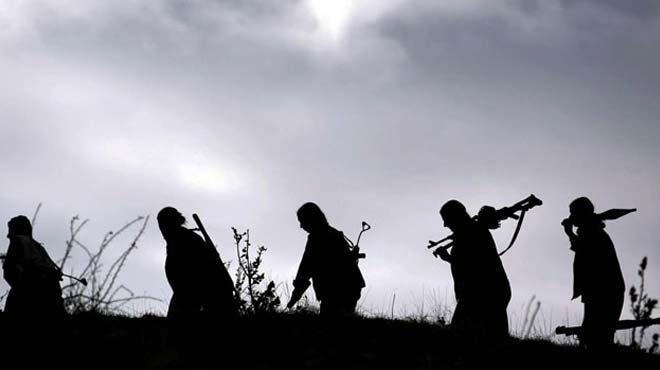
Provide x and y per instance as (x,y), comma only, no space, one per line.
(329,263)
(200,283)
(34,278)
(597,276)
(34,307)
(480,283)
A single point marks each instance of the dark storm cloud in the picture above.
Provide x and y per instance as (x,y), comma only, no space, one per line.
(488,58)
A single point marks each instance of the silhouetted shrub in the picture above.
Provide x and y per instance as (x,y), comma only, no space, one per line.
(101,294)
(253,297)
(642,307)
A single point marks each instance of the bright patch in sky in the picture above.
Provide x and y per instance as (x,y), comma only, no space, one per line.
(332,15)
(208,177)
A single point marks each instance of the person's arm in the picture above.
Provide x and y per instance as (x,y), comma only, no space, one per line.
(568,229)
(46,267)
(13,268)
(443,254)
(301,282)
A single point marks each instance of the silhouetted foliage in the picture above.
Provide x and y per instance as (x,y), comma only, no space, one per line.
(101,294)
(252,296)
(654,343)
(642,307)
(530,317)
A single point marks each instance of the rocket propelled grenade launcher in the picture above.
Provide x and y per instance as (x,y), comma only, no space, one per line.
(491,218)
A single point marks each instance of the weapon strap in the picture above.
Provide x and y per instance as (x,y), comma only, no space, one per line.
(350,242)
(515,233)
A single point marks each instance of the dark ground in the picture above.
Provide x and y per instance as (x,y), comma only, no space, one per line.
(282,341)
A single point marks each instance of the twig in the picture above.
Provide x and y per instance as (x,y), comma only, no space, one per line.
(531,322)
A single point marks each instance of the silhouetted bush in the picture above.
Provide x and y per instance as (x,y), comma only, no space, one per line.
(253,297)
(101,294)
(642,307)
(2,299)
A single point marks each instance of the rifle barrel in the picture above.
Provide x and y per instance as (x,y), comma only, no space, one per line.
(620,325)
(433,244)
(201,228)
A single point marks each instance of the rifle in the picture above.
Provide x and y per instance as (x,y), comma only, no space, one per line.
(620,325)
(491,218)
(208,241)
(82,281)
(355,248)
(202,229)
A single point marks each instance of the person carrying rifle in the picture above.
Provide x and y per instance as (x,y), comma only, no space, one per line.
(597,276)
(329,263)
(201,285)
(481,285)
(34,307)
(34,279)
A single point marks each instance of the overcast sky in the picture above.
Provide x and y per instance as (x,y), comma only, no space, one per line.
(377,110)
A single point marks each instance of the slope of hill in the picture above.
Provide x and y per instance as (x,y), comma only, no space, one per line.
(288,341)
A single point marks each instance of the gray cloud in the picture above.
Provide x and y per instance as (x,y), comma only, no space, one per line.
(641,9)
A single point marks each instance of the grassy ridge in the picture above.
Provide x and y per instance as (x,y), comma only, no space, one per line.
(300,341)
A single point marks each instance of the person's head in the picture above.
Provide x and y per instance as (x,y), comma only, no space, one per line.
(454,215)
(311,217)
(582,211)
(19,225)
(169,219)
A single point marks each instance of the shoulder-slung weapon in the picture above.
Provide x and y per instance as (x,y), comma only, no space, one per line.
(491,218)
(620,325)
(355,248)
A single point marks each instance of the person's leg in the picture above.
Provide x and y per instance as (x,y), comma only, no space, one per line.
(598,325)
(612,313)
(471,321)
(329,307)
(351,301)
(458,318)
(589,323)
(499,323)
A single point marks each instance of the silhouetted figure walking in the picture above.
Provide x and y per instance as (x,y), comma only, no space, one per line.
(200,283)
(34,307)
(329,263)
(34,278)
(597,276)
(480,283)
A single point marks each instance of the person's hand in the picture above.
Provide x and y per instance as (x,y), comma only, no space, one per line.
(58,274)
(290,304)
(568,225)
(300,286)
(443,254)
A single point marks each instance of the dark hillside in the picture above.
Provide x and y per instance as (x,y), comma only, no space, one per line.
(296,342)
